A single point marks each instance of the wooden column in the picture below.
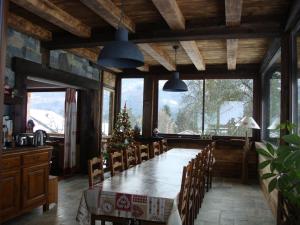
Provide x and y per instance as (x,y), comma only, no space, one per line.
(257,102)
(89,127)
(3,36)
(288,79)
(148,106)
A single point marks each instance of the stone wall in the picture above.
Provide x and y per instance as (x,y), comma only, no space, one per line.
(23,46)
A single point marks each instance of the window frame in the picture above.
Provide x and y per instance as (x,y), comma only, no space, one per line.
(119,100)
(169,135)
(32,90)
(111,109)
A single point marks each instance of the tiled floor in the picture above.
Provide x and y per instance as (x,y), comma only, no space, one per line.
(227,203)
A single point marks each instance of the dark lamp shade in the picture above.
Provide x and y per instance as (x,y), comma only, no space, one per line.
(121,53)
(175,84)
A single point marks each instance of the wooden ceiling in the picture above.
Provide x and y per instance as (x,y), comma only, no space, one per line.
(82,20)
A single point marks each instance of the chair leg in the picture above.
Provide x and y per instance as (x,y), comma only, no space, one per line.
(93,221)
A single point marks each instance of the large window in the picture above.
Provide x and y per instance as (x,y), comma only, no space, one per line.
(225,102)
(46,110)
(107,111)
(132,93)
(298,85)
(181,112)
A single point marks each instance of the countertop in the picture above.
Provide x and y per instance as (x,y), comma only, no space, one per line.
(25,149)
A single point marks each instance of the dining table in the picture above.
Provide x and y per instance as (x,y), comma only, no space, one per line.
(146,192)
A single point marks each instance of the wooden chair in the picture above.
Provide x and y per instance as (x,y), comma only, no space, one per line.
(163,145)
(199,190)
(211,162)
(116,162)
(142,152)
(156,148)
(192,194)
(130,155)
(95,169)
(183,205)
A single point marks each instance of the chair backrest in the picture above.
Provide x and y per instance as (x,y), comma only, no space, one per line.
(184,192)
(142,151)
(156,148)
(163,145)
(116,162)
(199,173)
(130,156)
(211,158)
(95,169)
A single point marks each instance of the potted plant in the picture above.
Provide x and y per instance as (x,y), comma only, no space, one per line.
(284,175)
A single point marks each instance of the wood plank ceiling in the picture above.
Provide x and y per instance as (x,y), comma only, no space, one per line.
(51,19)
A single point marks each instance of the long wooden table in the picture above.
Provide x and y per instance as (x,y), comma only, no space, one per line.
(146,192)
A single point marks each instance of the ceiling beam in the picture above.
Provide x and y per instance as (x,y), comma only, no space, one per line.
(272,55)
(159,55)
(232,49)
(258,30)
(108,11)
(233,13)
(193,52)
(172,14)
(25,26)
(84,53)
(292,22)
(218,71)
(144,68)
(53,14)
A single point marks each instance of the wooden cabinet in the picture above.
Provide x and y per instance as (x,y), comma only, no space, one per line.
(24,183)
(35,186)
(10,193)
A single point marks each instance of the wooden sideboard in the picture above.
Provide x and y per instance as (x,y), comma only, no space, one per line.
(24,183)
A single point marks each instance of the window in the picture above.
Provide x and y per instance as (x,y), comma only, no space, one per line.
(181,112)
(47,110)
(298,83)
(132,93)
(107,111)
(225,102)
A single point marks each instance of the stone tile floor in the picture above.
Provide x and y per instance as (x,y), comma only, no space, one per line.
(228,203)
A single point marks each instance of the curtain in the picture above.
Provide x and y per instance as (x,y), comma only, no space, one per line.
(70,131)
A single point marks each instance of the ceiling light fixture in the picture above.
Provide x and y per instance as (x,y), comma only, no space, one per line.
(121,53)
(175,84)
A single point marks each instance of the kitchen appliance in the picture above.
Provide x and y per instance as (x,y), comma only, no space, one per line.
(21,139)
(39,138)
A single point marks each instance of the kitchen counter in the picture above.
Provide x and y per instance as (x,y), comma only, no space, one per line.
(25,149)
(24,180)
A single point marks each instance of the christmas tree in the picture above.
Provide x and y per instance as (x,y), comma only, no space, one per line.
(122,135)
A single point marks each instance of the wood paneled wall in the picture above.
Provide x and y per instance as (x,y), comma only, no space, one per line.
(228,155)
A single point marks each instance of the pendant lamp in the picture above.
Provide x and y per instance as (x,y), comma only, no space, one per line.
(175,84)
(121,53)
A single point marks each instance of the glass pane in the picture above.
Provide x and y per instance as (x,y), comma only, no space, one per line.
(132,95)
(107,111)
(181,112)
(274,107)
(226,103)
(47,110)
(298,83)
